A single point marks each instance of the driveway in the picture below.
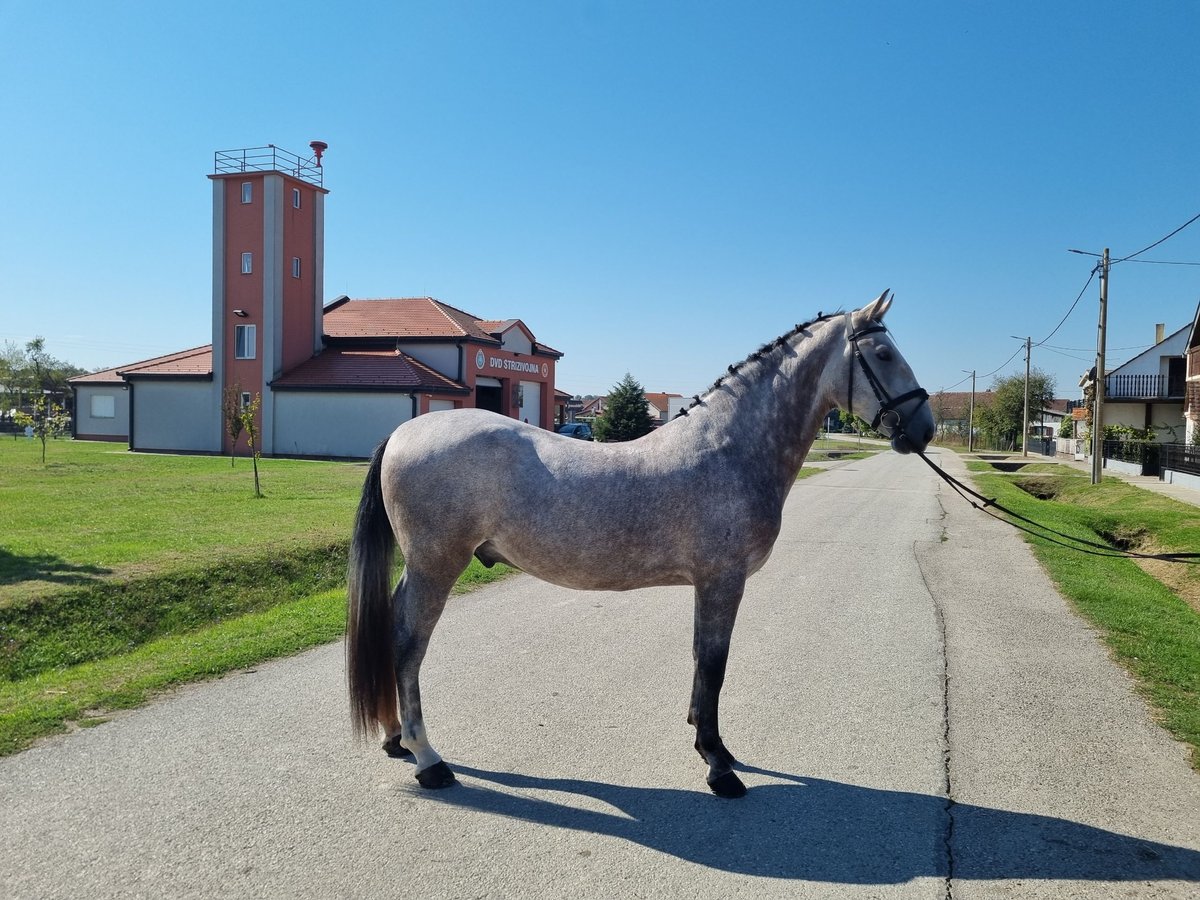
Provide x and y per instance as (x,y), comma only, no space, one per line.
(919,714)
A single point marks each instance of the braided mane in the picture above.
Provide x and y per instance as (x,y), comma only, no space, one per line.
(756,356)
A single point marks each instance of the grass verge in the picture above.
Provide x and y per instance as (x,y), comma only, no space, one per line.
(122,574)
(48,702)
(1151,629)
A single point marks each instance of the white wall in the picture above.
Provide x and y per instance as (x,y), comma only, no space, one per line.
(440,357)
(87,425)
(515,341)
(174,415)
(1134,415)
(1154,361)
(336,423)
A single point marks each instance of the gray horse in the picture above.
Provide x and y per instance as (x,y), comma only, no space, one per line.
(451,485)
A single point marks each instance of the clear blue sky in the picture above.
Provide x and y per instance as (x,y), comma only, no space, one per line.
(655,188)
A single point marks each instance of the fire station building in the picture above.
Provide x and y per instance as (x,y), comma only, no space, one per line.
(334,379)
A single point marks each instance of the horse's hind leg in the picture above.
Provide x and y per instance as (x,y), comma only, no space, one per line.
(716,610)
(420,599)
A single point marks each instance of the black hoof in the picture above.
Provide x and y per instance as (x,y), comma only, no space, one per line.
(436,776)
(396,750)
(728,786)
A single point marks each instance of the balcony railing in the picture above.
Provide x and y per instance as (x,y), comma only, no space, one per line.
(1144,387)
(268,159)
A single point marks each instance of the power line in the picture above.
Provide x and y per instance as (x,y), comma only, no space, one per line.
(953,386)
(1020,349)
(1090,349)
(1161,262)
(1156,243)
(1095,269)
(1068,355)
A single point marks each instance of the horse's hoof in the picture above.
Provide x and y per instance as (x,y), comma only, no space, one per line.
(396,750)
(436,776)
(728,786)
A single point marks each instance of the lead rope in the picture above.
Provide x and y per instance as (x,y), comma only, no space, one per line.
(1102,549)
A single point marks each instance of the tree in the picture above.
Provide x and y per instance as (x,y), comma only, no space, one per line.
(231,411)
(250,426)
(47,420)
(40,375)
(30,372)
(627,415)
(1000,421)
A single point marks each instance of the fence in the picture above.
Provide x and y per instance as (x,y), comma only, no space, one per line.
(1181,458)
(268,159)
(1143,455)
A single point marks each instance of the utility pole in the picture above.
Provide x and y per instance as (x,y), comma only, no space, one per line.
(1025,434)
(1025,424)
(971,416)
(1098,408)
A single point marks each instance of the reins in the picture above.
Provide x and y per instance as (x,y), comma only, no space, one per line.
(1099,549)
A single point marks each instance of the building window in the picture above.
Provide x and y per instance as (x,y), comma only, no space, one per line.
(243,341)
(104,406)
(296,198)
(247,191)
(247,263)
(245,399)
(295,267)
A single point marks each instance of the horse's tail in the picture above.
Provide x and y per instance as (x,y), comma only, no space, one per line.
(369,631)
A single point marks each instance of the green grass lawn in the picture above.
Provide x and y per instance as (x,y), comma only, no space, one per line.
(1143,612)
(96,511)
(124,573)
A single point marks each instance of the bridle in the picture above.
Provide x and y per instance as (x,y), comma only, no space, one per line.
(888,415)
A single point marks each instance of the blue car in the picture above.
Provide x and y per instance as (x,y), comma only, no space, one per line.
(581,430)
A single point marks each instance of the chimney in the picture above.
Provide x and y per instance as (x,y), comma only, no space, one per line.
(1159,332)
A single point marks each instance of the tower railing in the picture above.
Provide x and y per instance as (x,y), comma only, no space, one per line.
(268,159)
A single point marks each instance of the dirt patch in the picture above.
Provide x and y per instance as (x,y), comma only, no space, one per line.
(1123,538)
(1042,487)
(1183,580)
(1008,466)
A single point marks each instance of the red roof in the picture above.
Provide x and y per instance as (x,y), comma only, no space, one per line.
(408,317)
(194,363)
(660,401)
(338,368)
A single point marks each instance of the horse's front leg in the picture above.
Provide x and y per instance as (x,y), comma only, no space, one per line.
(419,604)
(717,604)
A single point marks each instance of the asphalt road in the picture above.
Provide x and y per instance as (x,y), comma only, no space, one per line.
(918,712)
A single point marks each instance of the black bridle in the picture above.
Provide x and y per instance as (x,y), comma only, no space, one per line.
(887,403)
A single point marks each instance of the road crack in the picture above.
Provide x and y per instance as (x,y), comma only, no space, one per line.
(950,808)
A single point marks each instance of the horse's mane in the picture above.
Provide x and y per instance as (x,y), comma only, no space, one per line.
(756,356)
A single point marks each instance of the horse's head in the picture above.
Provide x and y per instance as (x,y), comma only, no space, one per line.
(882,384)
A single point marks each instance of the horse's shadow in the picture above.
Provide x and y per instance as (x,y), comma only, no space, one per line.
(18,567)
(818,830)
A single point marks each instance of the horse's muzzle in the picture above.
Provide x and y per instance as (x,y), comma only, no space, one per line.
(915,437)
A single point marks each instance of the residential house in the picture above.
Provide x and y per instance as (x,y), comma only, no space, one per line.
(1147,392)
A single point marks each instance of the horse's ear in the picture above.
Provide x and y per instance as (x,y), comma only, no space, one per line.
(881,305)
(873,311)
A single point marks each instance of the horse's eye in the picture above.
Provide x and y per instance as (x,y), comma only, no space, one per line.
(884,353)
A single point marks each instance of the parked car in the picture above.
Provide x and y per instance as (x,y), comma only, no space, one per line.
(581,430)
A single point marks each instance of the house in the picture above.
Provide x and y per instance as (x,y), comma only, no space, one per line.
(660,406)
(1191,404)
(1147,392)
(952,409)
(593,408)
(332,379)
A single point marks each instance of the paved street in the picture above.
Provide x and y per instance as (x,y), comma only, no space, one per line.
(918,712)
